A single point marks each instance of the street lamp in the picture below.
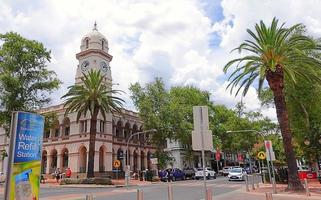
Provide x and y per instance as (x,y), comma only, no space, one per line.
(127,154)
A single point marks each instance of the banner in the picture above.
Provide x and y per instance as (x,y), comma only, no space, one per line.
(24,166)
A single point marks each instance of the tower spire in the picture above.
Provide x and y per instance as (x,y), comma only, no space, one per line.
(95,27)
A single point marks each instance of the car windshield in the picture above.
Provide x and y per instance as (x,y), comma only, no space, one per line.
(236,170)
(304,168)
(200,169)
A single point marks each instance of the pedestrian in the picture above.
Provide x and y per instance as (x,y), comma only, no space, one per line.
(170,175)
(57,173)
(68,172)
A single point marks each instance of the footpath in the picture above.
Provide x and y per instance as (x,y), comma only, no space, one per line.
(281,193)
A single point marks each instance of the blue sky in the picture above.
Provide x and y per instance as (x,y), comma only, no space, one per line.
(186,42)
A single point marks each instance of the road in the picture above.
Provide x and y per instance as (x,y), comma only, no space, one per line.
(182,190)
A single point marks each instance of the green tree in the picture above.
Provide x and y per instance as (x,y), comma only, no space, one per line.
(94,97)
(275,55)
(170,112)
(25,81)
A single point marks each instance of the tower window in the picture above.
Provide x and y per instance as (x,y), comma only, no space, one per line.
(87,43)
(102,45)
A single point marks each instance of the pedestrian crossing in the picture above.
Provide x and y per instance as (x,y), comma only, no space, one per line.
(218,185)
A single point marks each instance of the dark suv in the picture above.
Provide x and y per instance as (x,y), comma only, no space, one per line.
(189,172)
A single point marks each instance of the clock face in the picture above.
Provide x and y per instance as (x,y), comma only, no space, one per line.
(85,65)
(103,66)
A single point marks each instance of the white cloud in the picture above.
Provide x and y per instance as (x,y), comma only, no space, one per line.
(151,38)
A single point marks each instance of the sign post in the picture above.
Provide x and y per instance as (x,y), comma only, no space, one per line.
(270,157)
(24,164)
(201,136)
(217,158)
(116,164)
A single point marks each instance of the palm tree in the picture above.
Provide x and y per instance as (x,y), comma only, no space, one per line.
(92,96)
(279,56)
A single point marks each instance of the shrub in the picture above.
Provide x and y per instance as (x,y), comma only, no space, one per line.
(96,180)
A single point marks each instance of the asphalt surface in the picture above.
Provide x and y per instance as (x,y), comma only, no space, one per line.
(182,190)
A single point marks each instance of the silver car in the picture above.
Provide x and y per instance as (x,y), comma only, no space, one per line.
(236,174)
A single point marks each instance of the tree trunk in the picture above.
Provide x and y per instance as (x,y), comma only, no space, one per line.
(276,83)
(92,140)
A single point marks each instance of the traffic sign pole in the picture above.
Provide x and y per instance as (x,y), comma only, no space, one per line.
(203,156)
(273,172)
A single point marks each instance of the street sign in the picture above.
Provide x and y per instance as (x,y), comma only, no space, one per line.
(24,162)
(116,163)
(268,145)
(154,161)
(261,155)
(200,118)
(197,140)
(218,154)
(270,158)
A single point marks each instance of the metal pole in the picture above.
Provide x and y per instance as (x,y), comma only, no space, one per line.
(170,191)
(209,194)
(260,169)
(273,172)
(140,194)
(307,191)
(253,187)
(127,170)
(218,167)
(247,183)
(250,162)
(263,172)
(203,156)
(268,196)
(269,170)
(13,131)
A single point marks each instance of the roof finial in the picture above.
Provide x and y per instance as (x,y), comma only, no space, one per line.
(95,26)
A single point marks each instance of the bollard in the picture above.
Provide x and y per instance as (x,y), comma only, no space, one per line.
(268,196)
(89,197)
(274,185)
(253,187)
(170,191)
(247,183)
(307,191)
(257,180)
(140,194)
(209,194)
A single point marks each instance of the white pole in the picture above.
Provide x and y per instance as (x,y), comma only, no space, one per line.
(273,172)
(203,156)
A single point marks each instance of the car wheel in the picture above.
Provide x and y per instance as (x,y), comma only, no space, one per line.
(208,176)
(214,176)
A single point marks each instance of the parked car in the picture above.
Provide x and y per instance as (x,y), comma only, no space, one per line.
(236,174)
(306,172)
(189,172)
(226,170)
(209,173)
(171,174)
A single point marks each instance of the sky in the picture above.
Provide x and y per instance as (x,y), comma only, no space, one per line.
(185,42)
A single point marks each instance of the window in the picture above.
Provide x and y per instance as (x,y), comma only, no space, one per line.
(102,45)
(83,126)
(87,43)
(102,126)
(57,132)
(47,134)
(67,130)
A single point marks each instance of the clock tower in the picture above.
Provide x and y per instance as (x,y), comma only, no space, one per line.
(94,55)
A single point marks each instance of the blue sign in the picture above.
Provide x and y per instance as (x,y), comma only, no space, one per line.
(29,135)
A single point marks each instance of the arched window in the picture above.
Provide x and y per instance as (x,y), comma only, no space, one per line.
(102,45)
(87,43)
